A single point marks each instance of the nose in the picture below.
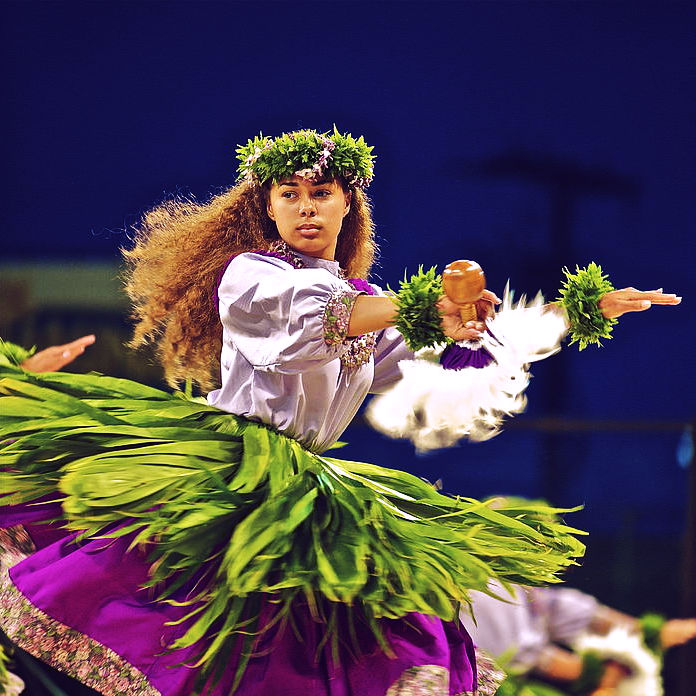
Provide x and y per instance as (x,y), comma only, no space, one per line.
(307,207)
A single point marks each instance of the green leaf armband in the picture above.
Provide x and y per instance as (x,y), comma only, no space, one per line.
(650,627)
(579,296)
(417,317)
(591,675)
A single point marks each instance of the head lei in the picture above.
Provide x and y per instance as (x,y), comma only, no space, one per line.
(309,155)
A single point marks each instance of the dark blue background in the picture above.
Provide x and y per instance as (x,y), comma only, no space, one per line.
(109,106)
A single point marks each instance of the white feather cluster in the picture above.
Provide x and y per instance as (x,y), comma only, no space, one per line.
(435,408)
(627,649)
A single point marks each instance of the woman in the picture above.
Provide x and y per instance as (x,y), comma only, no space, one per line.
(214,547)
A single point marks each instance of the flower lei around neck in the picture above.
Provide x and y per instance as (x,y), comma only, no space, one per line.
(309,155)
(360,348)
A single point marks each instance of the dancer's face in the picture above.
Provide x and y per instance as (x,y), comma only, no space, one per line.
(309,214)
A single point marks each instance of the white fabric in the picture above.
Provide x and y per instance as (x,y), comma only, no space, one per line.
(276,366)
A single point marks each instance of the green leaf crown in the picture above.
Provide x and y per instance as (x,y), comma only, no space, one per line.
(307,154)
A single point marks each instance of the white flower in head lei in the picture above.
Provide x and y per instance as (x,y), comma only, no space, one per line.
(309,155)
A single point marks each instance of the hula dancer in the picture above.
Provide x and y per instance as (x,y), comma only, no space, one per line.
(158,544)
(558,641)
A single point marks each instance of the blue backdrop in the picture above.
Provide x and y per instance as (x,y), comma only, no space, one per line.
(527,136)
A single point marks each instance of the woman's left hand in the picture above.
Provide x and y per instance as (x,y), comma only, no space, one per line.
(618,302)
(452,323)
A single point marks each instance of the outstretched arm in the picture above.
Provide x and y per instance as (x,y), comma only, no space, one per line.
(372,313)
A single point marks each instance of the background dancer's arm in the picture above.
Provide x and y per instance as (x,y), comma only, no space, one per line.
(561,665)
(672,633)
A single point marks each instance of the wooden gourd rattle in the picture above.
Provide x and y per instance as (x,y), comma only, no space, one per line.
(464,283)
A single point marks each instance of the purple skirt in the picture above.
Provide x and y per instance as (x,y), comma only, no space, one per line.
(80,606)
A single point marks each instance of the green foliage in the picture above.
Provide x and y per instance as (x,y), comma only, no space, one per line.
(521,685)
(579,295)
(12,354)
(417,318)
(238,513)
(330,154)
(4,674)
(591,675)
(650,625)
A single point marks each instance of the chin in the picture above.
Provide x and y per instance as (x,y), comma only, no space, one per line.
(310,247)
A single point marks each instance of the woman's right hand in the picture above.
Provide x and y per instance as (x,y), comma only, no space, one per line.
(452,323)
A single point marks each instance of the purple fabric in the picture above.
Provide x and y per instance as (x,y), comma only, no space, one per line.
(362,286)
(456,357)
(94,586)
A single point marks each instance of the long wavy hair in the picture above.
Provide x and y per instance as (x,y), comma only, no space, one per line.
(180,247)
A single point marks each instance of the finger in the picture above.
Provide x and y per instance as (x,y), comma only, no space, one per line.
(446,306)
(69,351)
(654,296)
(485,308)
(660,298)
(476,325)
(491,297)
(81,342)
(657,296)
(634,306)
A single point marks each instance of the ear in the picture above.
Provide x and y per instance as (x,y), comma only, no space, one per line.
(348,197)
(269,211)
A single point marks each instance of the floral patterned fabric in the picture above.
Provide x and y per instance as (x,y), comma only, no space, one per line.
(433,680)
(336,319)
(337,316)
(69,651)
(489,675)
(425,680)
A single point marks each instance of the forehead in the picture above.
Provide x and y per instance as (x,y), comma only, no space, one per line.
(298,181)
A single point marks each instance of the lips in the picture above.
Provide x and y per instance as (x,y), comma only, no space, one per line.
(309,226)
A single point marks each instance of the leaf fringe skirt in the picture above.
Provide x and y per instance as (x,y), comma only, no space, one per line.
(199,552)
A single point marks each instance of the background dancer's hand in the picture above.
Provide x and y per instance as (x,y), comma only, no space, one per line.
(676,632)
(452,323)
(54,357)
(618,302)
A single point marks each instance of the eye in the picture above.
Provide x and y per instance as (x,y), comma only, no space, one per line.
(287,194)
(322,193)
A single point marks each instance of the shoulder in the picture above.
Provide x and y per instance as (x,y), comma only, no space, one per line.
(251,264)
